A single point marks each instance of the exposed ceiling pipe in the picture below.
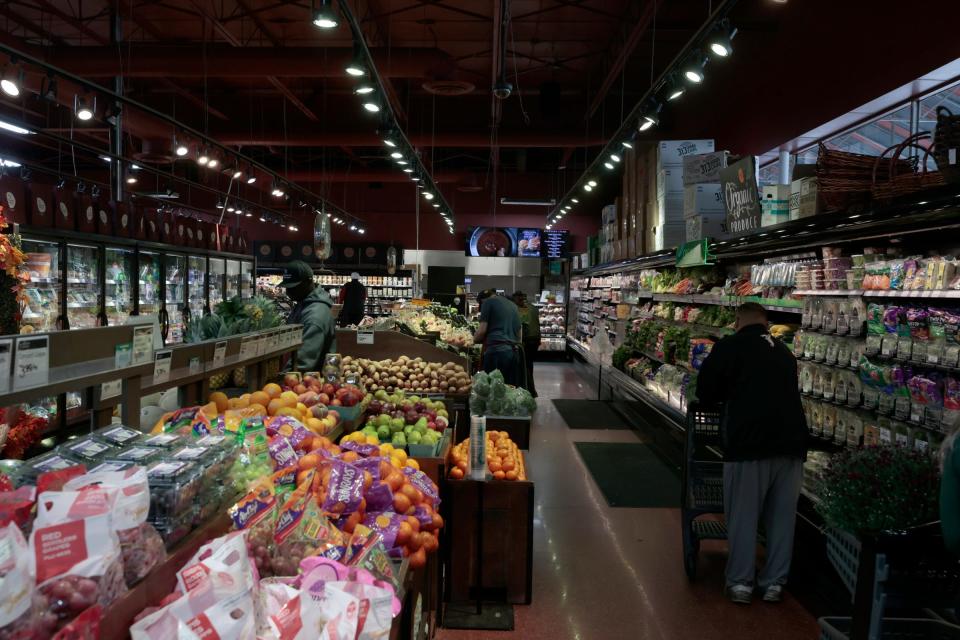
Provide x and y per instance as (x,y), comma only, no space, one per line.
(370,139)
(222,61)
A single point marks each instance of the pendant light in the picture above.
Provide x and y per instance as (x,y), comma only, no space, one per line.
(325,16)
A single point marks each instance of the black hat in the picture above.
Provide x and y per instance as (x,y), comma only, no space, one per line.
(296,273)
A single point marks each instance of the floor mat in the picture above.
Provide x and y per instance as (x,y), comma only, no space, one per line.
(630,475)
(589,414)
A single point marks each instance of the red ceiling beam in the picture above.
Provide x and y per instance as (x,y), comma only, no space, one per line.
(640,27)
(476,140)
(73,21)
(28,24)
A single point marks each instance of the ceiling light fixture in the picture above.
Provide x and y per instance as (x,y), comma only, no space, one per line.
(615,157)
(237,174)
(402,162)
(357,65)
(574,200)
(628,141)
(203,158)
(131,179)
(219,204)
(353,227)
(13,128)
(12,80)
(407,170)
(372,105)
(608,165)
(361,230)
(587,187)
(83,109)
(248,214)
(396,155)
(263,217)
(230,209)
(364,88)
(428,195)
(325,16)
(592,183)
(251,178)
(389,138)
(179,148)
(675,89)
(693,70)
(436,205)
(213,162)
(719,39)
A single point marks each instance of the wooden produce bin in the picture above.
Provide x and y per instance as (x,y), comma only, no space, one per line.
(518,428)
(392,345)
(497,516)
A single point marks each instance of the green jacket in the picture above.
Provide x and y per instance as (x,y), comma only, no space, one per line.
(530,317)
(319,329)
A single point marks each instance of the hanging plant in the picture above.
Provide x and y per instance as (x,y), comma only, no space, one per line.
(12,277)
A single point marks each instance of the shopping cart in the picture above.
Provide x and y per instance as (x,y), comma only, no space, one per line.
(702,483)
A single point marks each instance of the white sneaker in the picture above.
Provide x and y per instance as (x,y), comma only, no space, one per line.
(740,593)
(774,593)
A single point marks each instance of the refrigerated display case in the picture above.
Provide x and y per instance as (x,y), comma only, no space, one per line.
(43,290)
(233,279)
(83,285)
(246,279)
(148,293)
(175,271)
(197,285)
(118,300)
(215,281)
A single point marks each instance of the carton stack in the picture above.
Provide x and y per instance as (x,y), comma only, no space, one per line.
(666,210)
(609,233)
(704,214)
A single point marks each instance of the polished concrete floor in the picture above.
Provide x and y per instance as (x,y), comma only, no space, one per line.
(602,573)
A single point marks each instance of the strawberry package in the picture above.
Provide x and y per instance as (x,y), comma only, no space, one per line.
(141,546)
(19,618)
(75,552)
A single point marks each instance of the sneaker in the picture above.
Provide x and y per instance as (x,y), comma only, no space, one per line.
(740,593)
(774,593)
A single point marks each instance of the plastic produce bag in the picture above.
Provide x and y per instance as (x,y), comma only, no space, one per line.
(141,546)
(319,612)
(195,618)
(18,616)
(223,566)
(75,552)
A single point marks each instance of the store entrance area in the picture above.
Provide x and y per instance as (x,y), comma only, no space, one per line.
(612,573)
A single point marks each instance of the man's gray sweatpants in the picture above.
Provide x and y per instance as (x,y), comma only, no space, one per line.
(757,489)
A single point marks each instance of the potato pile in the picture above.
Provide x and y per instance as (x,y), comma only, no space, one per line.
(407,374)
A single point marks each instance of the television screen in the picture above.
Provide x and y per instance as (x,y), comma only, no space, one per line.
(529,242)
(555,243)
(488,242)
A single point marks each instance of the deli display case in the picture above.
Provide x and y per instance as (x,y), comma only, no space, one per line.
(118,300)
(84,283)
(233,279)
(43,290)
(197,285)
(148,283)
(175,298)
(216,276)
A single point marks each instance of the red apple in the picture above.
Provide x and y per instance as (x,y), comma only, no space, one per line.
(309,380)
(299,389)
(329,389)
(309,398)
(324,398)
(290,380)
(432,425)
(336,402)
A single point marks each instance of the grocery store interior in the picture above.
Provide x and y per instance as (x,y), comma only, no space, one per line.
(467,320)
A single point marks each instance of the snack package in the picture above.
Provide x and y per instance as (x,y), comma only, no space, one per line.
(75,553)
(331,571)
(140,544)
(194,617)
(18,617)
(256,513)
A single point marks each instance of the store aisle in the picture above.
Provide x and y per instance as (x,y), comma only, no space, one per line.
(616,574)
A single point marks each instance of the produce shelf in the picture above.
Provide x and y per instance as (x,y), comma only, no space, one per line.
(946,294)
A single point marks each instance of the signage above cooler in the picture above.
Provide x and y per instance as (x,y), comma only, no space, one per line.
(341,254)
(515,242)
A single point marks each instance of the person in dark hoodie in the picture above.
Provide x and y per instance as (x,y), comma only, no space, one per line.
(313,310)
(754,376)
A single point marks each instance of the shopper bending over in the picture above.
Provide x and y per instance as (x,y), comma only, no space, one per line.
(530,319)
(313,310)
(754,376)
(353,297)
(499,333)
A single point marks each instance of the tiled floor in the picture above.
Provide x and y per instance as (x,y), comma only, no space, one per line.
(616,574)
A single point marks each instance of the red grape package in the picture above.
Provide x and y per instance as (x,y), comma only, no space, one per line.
(140,544)
(75,551)
(19,618)
(197,616)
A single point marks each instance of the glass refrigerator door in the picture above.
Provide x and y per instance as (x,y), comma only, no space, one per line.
(149,276)
(217,274)
(118,302)
(42,307)
(233,278)
(246,279)
(83,285)
(196,283)
(175,281)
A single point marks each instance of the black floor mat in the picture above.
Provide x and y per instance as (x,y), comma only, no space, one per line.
(589,414)
(630,474)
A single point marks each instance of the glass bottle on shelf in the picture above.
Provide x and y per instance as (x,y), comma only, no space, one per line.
(83,285)
(42,306)
(196,284)
(175,282)
(149,278)
(119,298)
(233,279)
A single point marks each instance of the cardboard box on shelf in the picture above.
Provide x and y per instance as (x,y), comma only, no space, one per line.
(774,204)
(708,226)
(608,214)
(702,199)
(670,153)
(670,182)
(668,236)
(667,210)
(804,198)
(704,167)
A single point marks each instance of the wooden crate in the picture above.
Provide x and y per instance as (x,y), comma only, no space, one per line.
(516,427)
(506,565)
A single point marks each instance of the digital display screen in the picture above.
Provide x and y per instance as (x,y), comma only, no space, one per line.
(555,243)
(491,242)
(529,242)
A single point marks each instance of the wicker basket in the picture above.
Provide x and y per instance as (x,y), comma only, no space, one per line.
(845,179)
(946,138)
(899,182)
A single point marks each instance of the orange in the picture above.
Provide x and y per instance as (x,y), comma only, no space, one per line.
(257,408)
(275,405)
(287,411)
(272,389)
(219,398)
(413,464)
(242,402)
(260,397)
(210,409)
(289,398)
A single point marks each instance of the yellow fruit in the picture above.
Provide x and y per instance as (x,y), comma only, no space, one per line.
(395,461)
(401,455)
(413,464)
(219,398)
(373,440)
(287,411)
(258,409)
(275,405)
(386,448)
(272,389)
(210,410)
(260,397)
(289,398)
(242,402)
(316,425)
(302,408)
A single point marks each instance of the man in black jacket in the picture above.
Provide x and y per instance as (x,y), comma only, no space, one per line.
(754,376)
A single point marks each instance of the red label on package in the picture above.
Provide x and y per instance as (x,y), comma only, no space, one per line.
(287,620)
(90,502)
(202,628)
(58,548)
(194,576)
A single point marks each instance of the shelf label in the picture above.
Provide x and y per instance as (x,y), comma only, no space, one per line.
(31,365)
(364,337)
(6,351)
(161,365)
(194,365)
(142,344)
(111,389)
(122,354)
(247,348)
(219,353)
(274,341)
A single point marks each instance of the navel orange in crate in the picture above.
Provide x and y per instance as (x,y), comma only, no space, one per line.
(220,399)
(272,389)
(504,458)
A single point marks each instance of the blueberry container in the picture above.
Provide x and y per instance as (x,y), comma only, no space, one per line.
(174,485)
(166,441)
(118,435)
(138,454)
(88,451)
(53,461)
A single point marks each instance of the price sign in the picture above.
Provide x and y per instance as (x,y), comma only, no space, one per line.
(31,366)
(219,353)
(364,337)
(161,365)
(247,348)
(142,344)
(194,365)
(111,389)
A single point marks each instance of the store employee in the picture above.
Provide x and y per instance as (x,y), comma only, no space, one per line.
(313,310)
(499,332)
